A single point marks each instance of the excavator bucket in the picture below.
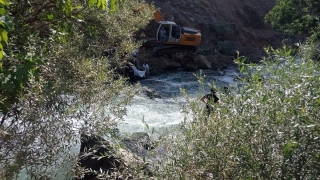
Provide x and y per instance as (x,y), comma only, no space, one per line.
(157,16)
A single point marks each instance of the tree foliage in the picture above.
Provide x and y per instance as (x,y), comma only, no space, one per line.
(5,25)
(54,82)
(295,16)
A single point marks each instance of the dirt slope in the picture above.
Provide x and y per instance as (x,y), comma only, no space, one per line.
(227,25)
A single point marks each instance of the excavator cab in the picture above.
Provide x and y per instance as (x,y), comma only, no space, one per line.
(173,31)
(177,35)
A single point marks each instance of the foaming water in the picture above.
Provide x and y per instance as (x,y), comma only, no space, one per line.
(157,113)
(164,112)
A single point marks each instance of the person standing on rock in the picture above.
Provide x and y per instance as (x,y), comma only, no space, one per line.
(163,34)
(210,100)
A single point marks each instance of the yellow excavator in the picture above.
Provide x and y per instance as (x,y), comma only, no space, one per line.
(178,39)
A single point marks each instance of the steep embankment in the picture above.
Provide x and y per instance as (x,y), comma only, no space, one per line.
(227,26)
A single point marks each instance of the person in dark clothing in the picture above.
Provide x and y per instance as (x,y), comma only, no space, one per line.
(126,71)
(210,99)
(132,78)
(163,34)
(129,72)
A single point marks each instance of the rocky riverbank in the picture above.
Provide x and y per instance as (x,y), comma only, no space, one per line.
(227,27)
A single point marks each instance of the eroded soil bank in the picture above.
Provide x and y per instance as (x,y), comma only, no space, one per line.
(227,27)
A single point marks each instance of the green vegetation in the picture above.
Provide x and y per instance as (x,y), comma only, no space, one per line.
(54,82)
(266,128)
(55,85)
(295,16)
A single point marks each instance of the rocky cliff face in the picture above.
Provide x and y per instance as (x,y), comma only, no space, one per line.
(227,26)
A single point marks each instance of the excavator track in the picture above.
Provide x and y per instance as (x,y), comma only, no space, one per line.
(171,49)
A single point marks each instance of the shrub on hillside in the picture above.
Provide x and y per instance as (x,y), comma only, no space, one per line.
(266,128)
(311,50)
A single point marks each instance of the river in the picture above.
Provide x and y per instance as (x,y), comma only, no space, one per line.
(163,111)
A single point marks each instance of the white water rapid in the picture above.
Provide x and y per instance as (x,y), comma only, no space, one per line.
(164,111)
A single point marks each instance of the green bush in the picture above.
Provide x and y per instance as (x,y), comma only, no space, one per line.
(294,16)
(266,128)
(311,49)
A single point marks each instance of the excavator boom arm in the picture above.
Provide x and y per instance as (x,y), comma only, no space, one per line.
(157,16)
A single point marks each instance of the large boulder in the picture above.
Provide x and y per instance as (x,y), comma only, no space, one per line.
(187,62)
(192,62)
(139,143)
(202,62)
(220,61)
(95,154)
(99,156)
(150,93)
(168,64)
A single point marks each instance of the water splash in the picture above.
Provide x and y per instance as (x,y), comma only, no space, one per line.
(164,112)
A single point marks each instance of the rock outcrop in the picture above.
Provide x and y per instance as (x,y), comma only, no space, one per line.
(202,62)
(95,154)
(98,156)
(167,64)
(139,143)
(227,27)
